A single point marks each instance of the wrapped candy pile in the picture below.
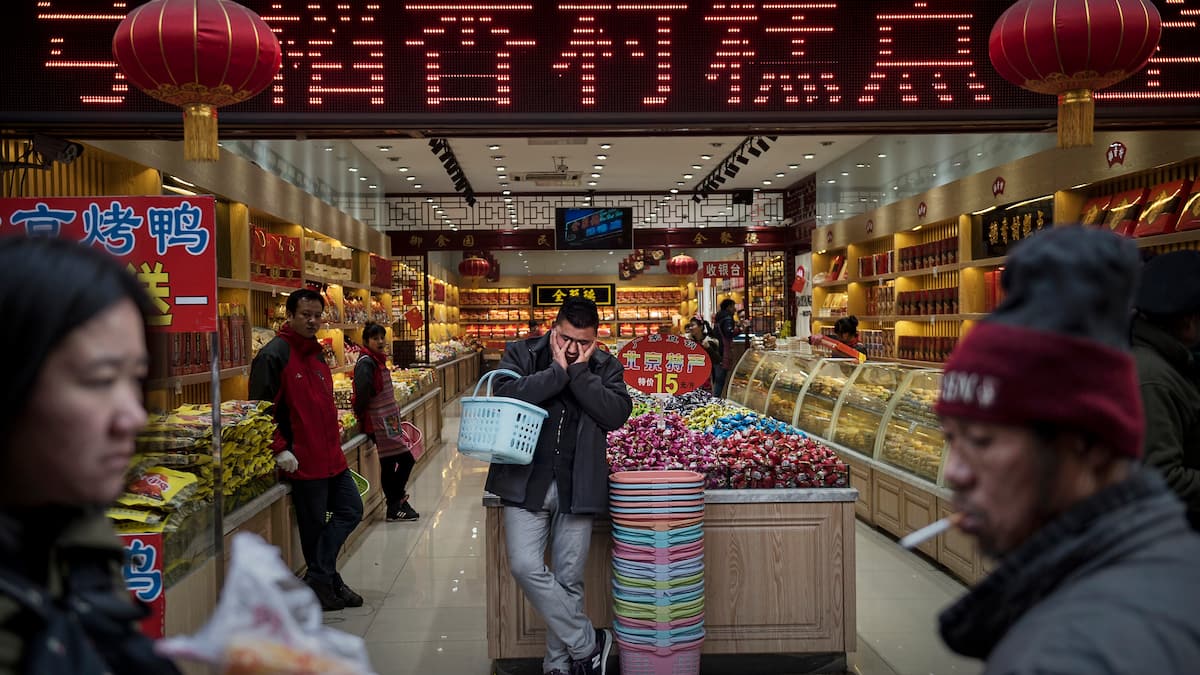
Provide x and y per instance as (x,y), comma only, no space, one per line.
(731,445)
(662,441)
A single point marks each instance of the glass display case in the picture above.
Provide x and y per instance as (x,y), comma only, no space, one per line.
(821,397)
(865,403)
(794,370)
(763,379)
(912,439)
(739,382)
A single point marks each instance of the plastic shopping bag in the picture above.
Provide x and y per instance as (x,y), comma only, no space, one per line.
(268,622)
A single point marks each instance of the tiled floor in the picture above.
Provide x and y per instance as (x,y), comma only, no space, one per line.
(424,587)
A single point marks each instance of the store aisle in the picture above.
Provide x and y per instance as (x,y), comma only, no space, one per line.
(424,587)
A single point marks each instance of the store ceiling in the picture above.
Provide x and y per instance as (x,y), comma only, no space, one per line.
(855,172)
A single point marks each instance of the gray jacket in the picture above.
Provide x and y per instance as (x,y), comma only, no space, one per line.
(1110,587)
(598,385)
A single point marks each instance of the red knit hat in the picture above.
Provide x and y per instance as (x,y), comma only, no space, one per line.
(1056,350)
(1013,375)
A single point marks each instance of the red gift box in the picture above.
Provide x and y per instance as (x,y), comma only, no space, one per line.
(1124,210)
(1161,211)
(1095,210)
(1189,212)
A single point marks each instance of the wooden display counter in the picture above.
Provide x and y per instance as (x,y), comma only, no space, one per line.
(456,375)
(779,576)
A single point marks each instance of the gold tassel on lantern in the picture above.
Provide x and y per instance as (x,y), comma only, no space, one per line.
(1076,118)
(200,133)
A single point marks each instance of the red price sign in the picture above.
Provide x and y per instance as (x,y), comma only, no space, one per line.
(168,242)
(664,364)
(143,573)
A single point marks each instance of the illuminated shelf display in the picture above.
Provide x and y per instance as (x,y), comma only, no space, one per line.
(556,60)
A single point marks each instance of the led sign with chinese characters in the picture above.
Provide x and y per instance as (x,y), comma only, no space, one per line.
(373,63)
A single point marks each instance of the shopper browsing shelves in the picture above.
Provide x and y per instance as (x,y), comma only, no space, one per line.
(727,328)
(556,497)
(291,373)
(1165,331)
(376,408)
(72,407)
(701,333)
(1040,406)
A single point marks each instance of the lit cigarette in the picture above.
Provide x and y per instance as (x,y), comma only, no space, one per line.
(930,531)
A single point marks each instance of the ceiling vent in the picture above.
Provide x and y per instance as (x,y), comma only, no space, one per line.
(550,178)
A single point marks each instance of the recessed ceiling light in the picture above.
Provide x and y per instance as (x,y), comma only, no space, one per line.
(841,210)
(882,155)
(385,148)
(595,175)
(373,186)
(860,165)
(429,200)
(780,175)
(362,178)
(410,178)
(766,182)
(895,187)
(598,167)
(933,175)
(809,155)
(493,147)
(674,191)
(403,169)
(979,154)
(601,157)
(845,173)
(501,169)
(506,193)
(353,169)
(831,181)
(793,166)
(679,182)
(418,186)
(508,200)
(502,177)
(688,176)
(329,148)
(706,157)
(697,166)
(958,164)
(592,183)
(605,146)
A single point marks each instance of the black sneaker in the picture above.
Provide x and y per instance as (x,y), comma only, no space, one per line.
(331,600)
(597,663)
(344,593)
(407,512)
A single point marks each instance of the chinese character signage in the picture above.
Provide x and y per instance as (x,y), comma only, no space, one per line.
(143,573)
(665,364)
(553,296)
(722,269)
(1005,226)
(168,242)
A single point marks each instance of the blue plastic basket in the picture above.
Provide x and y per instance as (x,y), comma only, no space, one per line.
(699,508)
(684,535)
(658,596)
(659,638)
(656,572)
(498,429)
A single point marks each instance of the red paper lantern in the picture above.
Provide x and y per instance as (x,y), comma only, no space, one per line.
(199,55)
(474,268)
(1070,48)
(682,265)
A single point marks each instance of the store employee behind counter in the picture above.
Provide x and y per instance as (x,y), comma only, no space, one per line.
(70,411)
(1039,402)
(558,494)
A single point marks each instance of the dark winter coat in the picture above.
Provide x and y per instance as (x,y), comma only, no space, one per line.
(64,608)
(291,372)
(1109,588)
(598,386)
(1170,380)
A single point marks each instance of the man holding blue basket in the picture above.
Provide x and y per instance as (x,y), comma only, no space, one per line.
(555,497)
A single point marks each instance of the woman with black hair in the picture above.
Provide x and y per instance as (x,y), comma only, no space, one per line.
(700,332)
(70,410)
(376,408)
(846,329)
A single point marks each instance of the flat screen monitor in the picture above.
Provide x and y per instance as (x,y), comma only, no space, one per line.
(593,229)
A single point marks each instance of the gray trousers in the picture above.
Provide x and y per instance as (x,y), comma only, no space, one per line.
(556,594)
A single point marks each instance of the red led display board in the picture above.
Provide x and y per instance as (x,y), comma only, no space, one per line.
(372,63)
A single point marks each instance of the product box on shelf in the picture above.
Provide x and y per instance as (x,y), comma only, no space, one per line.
(1162,210)
(1124,210)
(1095,211)
(1189,213)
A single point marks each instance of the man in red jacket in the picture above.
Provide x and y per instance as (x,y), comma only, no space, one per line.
(291,372)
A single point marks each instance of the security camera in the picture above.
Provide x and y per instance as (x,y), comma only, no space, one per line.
(56,150)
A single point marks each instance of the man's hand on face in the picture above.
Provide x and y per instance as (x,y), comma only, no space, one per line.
(558,347)
(586,354)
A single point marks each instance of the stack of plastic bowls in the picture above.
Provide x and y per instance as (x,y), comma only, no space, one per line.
(658,570)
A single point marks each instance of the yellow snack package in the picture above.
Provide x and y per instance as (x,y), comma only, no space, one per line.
(159,487)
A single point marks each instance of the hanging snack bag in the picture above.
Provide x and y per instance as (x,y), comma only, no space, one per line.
(159,487)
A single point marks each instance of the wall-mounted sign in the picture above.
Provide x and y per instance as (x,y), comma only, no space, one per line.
(1007,225)
(143,573)
(664,364)
(922,209)
(722,269)
(1116,153)
(407,64)
(546,295)
(998,186)
(170,243)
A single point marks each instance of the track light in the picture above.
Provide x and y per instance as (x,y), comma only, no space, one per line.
(732,170)
(754,151)
(719,179)
(773,138)
(763,145)
(742,159)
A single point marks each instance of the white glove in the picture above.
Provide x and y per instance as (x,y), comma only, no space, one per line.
(287,462)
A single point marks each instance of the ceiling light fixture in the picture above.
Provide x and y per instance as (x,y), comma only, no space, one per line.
(809,155)
(493,147)
(601,157)
(403,169)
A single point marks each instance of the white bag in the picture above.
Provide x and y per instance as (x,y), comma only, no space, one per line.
(268,622)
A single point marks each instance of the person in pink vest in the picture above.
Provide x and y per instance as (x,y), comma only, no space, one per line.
(377,411)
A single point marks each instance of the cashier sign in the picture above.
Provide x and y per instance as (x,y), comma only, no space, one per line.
(664,364)
(169,243)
